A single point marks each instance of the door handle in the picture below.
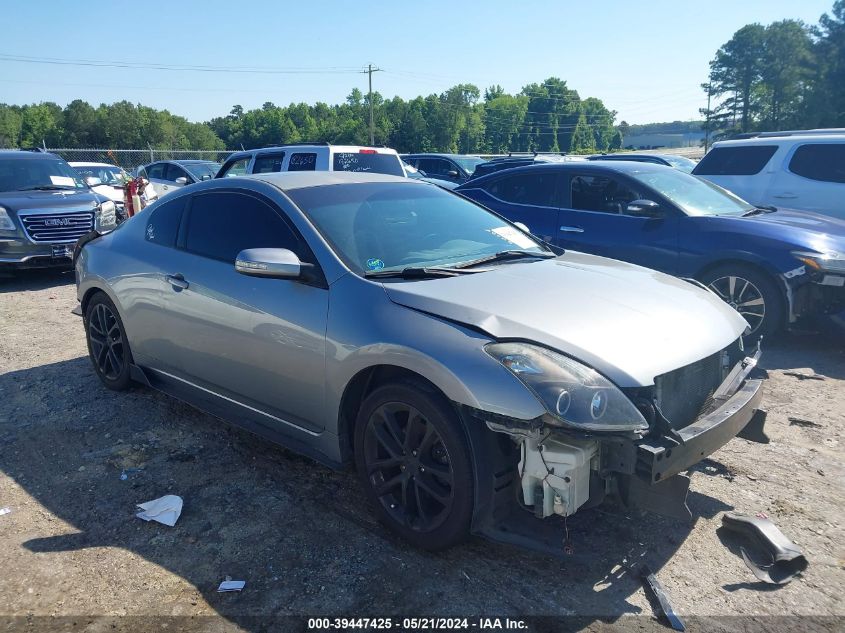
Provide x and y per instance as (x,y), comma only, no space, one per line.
(785,196)
(177,281)
(571,229)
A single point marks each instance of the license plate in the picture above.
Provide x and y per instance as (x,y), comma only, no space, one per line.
(833,280)
(63,250)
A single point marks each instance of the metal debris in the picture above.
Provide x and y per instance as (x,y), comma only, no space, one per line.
(802,422)
(659,593)
(800,376)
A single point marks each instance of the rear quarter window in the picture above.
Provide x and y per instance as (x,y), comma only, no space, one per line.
(302,161)
(820,161)
(735,161)
(376,163)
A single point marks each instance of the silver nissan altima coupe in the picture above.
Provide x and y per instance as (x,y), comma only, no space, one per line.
(468,370)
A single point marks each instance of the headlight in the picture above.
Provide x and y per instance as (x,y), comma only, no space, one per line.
(830,262)
(6,223)
(106,216)
(573,393)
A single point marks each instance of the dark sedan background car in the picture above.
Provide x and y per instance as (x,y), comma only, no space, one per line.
(470,371)
(683,163)
(456,168)
(772,265)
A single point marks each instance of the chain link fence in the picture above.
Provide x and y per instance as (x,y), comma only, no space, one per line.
(130,159)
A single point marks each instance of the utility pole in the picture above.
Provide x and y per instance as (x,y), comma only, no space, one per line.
(707,130)
(370,70)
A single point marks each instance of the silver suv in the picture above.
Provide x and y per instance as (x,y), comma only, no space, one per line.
(45,207)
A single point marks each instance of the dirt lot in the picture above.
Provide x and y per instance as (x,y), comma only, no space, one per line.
(303,539)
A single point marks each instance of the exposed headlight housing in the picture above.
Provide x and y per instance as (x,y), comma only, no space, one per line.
(6,223)
(575,395)
(106,218)
(829,262)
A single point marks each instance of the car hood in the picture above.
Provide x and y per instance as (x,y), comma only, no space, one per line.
(62,200)
(629,323)
(796,229)
(112,192)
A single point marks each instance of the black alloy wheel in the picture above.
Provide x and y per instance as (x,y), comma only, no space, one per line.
(107,345)
(414,463)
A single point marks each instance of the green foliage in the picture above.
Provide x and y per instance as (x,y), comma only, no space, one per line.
(781,76)
(542,117)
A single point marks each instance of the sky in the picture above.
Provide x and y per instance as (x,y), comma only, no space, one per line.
(644,59)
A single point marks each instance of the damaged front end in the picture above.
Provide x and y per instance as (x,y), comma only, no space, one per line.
(598,440)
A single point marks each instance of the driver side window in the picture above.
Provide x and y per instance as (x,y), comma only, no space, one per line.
(602,194)
(174,171)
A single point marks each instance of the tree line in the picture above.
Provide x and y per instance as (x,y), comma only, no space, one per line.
(544,117)
(786,75)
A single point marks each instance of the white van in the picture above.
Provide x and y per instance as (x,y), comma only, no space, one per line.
(313,157)
(800,170)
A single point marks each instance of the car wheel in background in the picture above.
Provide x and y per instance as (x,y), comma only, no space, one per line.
(107,344)
(752,293)
(414,463)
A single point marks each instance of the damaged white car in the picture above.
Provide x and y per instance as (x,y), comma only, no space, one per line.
(469,371)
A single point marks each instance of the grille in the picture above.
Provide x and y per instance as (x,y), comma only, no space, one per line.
(685,394)
(58,227)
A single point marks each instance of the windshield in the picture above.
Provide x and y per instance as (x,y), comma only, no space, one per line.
(202,171)
(27,174)
(108,174)
(379,163)
(390,226)
(693,195)
(681,162)
(468,163)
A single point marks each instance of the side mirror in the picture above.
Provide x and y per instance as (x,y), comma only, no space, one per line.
(522,227)
(452,173)
(181,180)
(644,208)
(269,262)
(93,181)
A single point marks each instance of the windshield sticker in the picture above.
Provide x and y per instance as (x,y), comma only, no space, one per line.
(374,264)
(514,236)
(62,181)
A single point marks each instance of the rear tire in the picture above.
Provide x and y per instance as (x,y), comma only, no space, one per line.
(414,463)
(108,347)
(752,293)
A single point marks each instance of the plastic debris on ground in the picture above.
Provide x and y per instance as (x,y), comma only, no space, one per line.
(5,511)
(231,585)
(165,510)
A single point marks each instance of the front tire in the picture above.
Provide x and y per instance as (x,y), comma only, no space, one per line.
(108,347)
(414,463)
(752,293)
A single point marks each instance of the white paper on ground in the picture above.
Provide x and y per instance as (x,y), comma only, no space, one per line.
(164,510)
(5,511)
(231,585)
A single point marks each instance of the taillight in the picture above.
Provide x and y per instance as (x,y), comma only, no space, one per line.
(367,151)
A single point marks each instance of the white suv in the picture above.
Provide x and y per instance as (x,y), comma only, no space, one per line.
(313,157)
(801,170)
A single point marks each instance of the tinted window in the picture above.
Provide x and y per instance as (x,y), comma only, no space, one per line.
(601,193)
(156,171)
(268,163)
(433,166)
(164,221)
(302,162)
(378,163)
(236,168)
(538,189)
(205,170)
(173,172)
(825,162)
(223,224)
(735,161)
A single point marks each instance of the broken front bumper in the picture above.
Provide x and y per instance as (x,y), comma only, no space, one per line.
(657,460)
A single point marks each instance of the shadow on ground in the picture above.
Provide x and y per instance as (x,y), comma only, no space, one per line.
(35,279)
(298,533)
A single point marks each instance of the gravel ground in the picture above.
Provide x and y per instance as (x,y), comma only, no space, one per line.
(302,537)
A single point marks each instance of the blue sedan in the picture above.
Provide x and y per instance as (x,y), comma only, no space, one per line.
(773,265)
